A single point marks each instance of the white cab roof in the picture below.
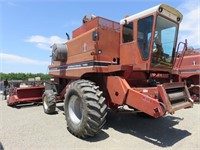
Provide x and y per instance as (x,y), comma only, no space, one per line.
(167,8)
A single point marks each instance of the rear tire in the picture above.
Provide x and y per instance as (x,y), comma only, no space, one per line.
(85,108)
(49,102)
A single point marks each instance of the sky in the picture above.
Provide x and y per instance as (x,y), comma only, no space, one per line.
(29,27)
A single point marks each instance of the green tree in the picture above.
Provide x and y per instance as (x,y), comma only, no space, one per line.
(23,76)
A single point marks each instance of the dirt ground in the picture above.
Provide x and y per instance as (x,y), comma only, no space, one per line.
(28,128)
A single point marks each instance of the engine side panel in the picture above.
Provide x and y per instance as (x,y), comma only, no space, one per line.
(86,55)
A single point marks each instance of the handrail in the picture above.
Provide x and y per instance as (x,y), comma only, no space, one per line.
(177,65)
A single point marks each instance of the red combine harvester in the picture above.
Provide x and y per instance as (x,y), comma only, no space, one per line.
(25,94)
(188,67)
(108,65)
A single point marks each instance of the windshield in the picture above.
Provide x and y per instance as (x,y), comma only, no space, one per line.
(164,43)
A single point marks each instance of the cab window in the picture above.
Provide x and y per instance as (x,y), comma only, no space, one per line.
(127,32)
(144,35)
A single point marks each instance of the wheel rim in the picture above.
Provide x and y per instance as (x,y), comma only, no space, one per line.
(45,103)
(75,109)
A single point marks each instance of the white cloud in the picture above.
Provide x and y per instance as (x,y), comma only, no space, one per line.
(38,39)
(43,46)
(190,26)
(10,58)
(43,42)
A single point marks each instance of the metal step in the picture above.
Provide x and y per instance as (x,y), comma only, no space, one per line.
(181,105)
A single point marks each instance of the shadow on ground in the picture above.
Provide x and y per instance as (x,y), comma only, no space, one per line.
(25,105)
(1,146)
(160,131)
(60,108)
(102,135)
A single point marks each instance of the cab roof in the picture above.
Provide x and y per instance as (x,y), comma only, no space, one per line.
(166,8)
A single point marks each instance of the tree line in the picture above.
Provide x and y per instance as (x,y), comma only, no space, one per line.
(23,76)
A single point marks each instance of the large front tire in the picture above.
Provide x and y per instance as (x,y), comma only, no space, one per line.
(85,108)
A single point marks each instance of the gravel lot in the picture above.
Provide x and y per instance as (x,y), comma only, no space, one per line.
(28,128)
